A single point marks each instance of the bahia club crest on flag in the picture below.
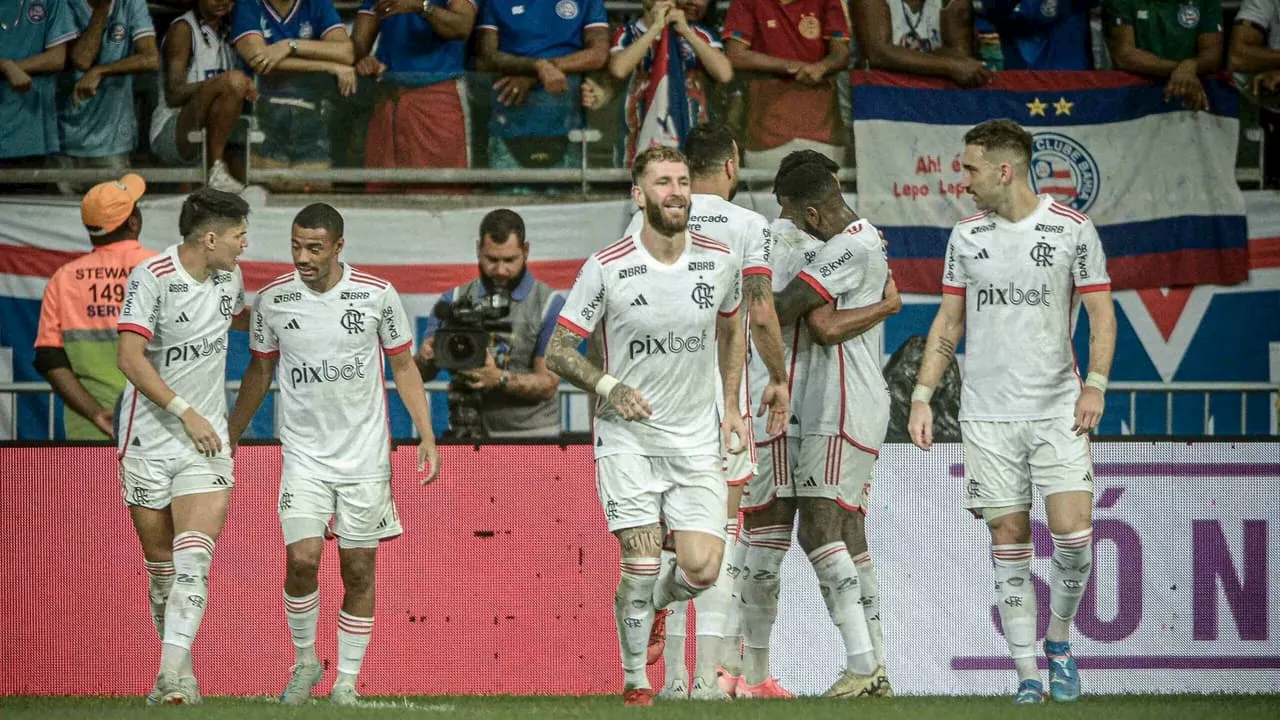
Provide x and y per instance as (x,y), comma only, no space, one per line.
(1157,180)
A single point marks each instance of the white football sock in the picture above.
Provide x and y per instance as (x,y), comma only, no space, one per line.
(192,554)
(353,639)
(1017,602)
(871,602)
(712,607)
(838,579)
(673,653)
(302,613)
(739,543)
(674,586)
(1072,562)
(760,586)
(160,584)
(633,609)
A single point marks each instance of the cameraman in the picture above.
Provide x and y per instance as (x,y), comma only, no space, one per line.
(518,391)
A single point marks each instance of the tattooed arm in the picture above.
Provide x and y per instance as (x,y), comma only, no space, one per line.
(766,336)
(948,328)
(564,360)
(796,299)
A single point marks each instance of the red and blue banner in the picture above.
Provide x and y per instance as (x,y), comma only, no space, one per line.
(666,117)
(1157,180)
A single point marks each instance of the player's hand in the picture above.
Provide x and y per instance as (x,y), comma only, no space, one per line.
(428,460)
(18,78)
(483,378)
(104,421)
(201,433)
(891,296)
(920,425)
(629,403)
(513,90)
(346,76)
(1089,409)
(552,78)
(266,61)
(969,72)
(370,66)
(87,86)
(777,400)
(733,431)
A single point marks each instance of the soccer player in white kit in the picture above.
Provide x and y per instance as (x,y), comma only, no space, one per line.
(327,327)
(1013,275)
(712,155)
(768,518)
(175,460)
(845,293)
(666,305)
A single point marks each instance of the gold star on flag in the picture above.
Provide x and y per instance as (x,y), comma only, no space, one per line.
(1062,107)
(1036,107)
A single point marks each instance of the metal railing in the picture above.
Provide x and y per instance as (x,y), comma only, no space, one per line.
(566,393)
(10,390)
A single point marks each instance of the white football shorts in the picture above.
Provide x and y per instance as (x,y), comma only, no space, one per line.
(1004,460)
(831,467)
(361,512)
(154,483)
(688,493)
(776,464)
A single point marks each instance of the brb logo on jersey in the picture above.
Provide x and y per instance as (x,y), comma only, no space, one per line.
(353,322)
(670,344)
(1012,295)
(1063,168)
(306,374)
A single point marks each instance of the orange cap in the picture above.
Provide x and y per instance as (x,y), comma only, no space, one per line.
(107,205)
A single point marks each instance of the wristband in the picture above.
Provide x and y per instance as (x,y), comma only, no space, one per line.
(922,393)
(606,385)
(177,406)
(1096,380)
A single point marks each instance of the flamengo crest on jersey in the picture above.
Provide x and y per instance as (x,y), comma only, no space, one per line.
(1019,281)
(657,325)
(185,323)
(333,404)
(793,248)
(850,270)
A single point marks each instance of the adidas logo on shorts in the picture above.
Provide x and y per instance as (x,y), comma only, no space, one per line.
(182,317)
(292,325)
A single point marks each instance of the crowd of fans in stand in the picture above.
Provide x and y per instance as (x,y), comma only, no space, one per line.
(503,83)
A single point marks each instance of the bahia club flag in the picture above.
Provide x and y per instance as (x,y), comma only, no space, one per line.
(1157,180)
(666,115)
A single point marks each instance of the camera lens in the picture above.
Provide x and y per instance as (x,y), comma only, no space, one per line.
(461,346)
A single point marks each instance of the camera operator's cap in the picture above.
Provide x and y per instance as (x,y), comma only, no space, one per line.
(107,205)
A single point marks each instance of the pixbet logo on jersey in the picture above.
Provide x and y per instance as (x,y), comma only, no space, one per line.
(305,374)
(194,351)
(1013,295)
(670,344)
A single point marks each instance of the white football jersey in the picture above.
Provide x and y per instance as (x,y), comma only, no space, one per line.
(333,398)
(1019,282)
(658,327)
(185,323)
(846,393)
(746,232)
(793,249)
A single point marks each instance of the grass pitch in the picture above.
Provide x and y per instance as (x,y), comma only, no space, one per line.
(1114,707)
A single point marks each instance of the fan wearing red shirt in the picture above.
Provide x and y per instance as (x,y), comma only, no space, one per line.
(796,48)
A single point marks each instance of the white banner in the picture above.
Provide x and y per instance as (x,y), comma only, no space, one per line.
(1183,597)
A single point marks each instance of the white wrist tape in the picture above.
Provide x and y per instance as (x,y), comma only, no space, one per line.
(1096,380)
(606,385)
(922,394)
(177,406)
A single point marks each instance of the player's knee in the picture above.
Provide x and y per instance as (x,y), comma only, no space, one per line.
(303,562)
(855,533)
(1011,527)
(820,523)
(701,565)
(358,573)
